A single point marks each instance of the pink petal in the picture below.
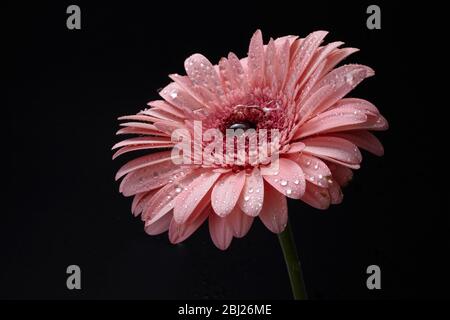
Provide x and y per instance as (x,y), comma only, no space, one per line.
(333,148)
(335,57)
(148,178)
(302,58)
(144,161)
(316,197)
(140,147)
(341,174)
(343,80)
(226,192)
(335,192)
(270,65)
(145,132)
(202,74)
(142,141)
(282,62)
(274,214)
(296,147)
(256,59)
(179,232)
(290,180)
(330,121)
(187,201)
(252,195)
(237,72)
(178,97)
(315,170)
(364,140)
(240,222)
(167,107)
(159,226)
(140,201)
(221,231)
(318,58)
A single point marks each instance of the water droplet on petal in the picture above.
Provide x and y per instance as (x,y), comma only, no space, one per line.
(283,182)
(288,191)
(246,198)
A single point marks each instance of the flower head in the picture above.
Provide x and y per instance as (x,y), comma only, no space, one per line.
(287,94)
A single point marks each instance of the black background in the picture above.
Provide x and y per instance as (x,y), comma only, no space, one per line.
(65,90)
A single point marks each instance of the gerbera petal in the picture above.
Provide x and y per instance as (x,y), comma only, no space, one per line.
(186,202)
(252,195)
(226,192)
(221,231)
(203,74)
(144,161)
(127,149)
(331,121)
(302,57)
(274,214)
(142,141)
(179,232)
(148,178)
(341,174)
(363,139)
(335,57)
(316,196)
(240,222)
(328,147)
(335,191)
(289,179)
(343,80)
(256,59)
(315,170)
(159,226)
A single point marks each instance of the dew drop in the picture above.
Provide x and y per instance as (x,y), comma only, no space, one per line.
(250,190)
(296,181)
(178,190)
(283,182)
(288,191)
(246,198)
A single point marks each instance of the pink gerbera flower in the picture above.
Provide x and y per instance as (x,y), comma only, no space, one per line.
(291,85)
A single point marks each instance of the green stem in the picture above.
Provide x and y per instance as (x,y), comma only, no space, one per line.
(292,263)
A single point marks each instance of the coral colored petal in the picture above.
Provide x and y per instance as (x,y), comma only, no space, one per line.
(158,226)
(341,174)
(179,232)
(335,191)
(203,74)
(296,147)
(335,57)
(290,179)
(240,222)
(256,59)
(302,58)
(274,214)
(221,231)
(144,161)
(141,200)
(316,197)
(333,148)
(143,140)
(187,201)
(148,178)
(330,121)
(252,195)
(226,192)
(127,149)
(315,170)
(342,80)
(364,140)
